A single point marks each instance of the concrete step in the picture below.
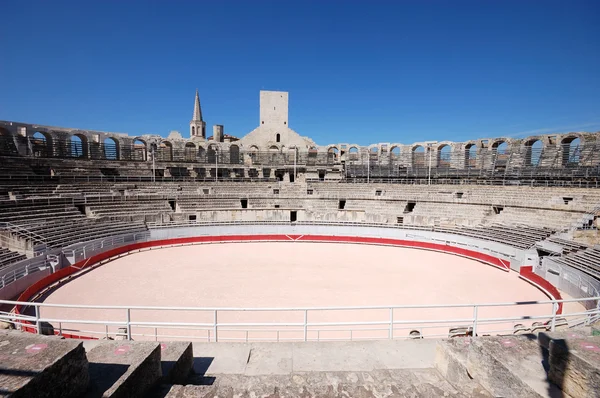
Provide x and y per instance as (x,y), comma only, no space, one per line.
(511,366)
(123,368)
(177,359)
(33,365)
(376,383)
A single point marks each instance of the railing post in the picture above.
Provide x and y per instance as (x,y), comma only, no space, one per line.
(215,325)
(475,321)
(38,324)
(391,332)
(554,311)
(128,323)
(305,325)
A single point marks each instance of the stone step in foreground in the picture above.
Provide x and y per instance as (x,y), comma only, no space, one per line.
(377,383)
(33,366)
(124,368)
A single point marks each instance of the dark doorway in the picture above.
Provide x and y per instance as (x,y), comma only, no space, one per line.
(293,216)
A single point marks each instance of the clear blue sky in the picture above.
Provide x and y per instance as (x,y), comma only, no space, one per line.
(357,71)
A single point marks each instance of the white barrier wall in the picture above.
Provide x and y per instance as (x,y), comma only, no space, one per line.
(517,257)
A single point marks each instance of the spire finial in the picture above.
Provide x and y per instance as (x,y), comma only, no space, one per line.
(197,110)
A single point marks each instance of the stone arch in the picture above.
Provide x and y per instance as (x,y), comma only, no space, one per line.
(78,146)
(273,148)
(211,153)
(353,153)
(418,156)
(111,148)
(189,152)
(140,148)
(533,152)
(333,154)
(234,154)
(193,131)
(444,155)
(470,155)
(500,147)
(395,152)
(41,143)
(201,153)
(571,147)
(165,151)
(253,153)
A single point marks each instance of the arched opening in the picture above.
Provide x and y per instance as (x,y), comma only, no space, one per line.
(470,156)
(443,155)
(273,154)
(41,144)
(533,152)
(139,150)
(189,152)
(211,153)
(165,151)
(332,154)
(78,146)
(234,154)
(571,151)
(499,153)
(277,137)
(111,149)
(253,153)
(418,156)
(395,153)
(353,153)
(193,131)
(201,154)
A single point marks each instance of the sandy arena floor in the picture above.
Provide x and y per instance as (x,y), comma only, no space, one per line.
(294,274)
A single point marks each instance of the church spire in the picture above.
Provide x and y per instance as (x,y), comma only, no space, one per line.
(197,125)
(197,110)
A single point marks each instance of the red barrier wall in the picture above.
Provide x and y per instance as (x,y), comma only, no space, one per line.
(526,273)
(49,280)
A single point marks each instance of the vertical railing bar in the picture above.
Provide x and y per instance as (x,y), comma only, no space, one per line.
(128,324)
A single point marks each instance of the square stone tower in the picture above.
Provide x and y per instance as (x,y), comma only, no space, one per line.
(274,108)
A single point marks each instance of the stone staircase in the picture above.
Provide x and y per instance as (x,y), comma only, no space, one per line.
(560,364)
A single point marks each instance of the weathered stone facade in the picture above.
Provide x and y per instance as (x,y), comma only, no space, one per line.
(273,149)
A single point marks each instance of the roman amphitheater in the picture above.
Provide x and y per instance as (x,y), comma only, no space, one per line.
(272,249)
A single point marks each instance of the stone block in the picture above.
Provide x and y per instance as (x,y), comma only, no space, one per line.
(41,366)
(451,362)
(177,359)
(575,365)
(124,369)
(510,366)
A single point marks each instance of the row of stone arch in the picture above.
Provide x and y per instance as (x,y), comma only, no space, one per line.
(571,147)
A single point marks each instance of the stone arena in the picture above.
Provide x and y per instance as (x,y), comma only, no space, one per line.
(261,249)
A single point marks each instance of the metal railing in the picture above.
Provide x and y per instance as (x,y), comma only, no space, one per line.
(297,324)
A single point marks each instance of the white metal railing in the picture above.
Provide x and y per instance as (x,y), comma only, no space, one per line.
(297,324)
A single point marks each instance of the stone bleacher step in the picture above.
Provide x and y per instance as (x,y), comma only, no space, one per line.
(34,365)
(511,366)
(177,360)
(375,383)
(124,368)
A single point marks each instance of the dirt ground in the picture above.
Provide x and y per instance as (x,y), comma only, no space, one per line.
(292,275)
